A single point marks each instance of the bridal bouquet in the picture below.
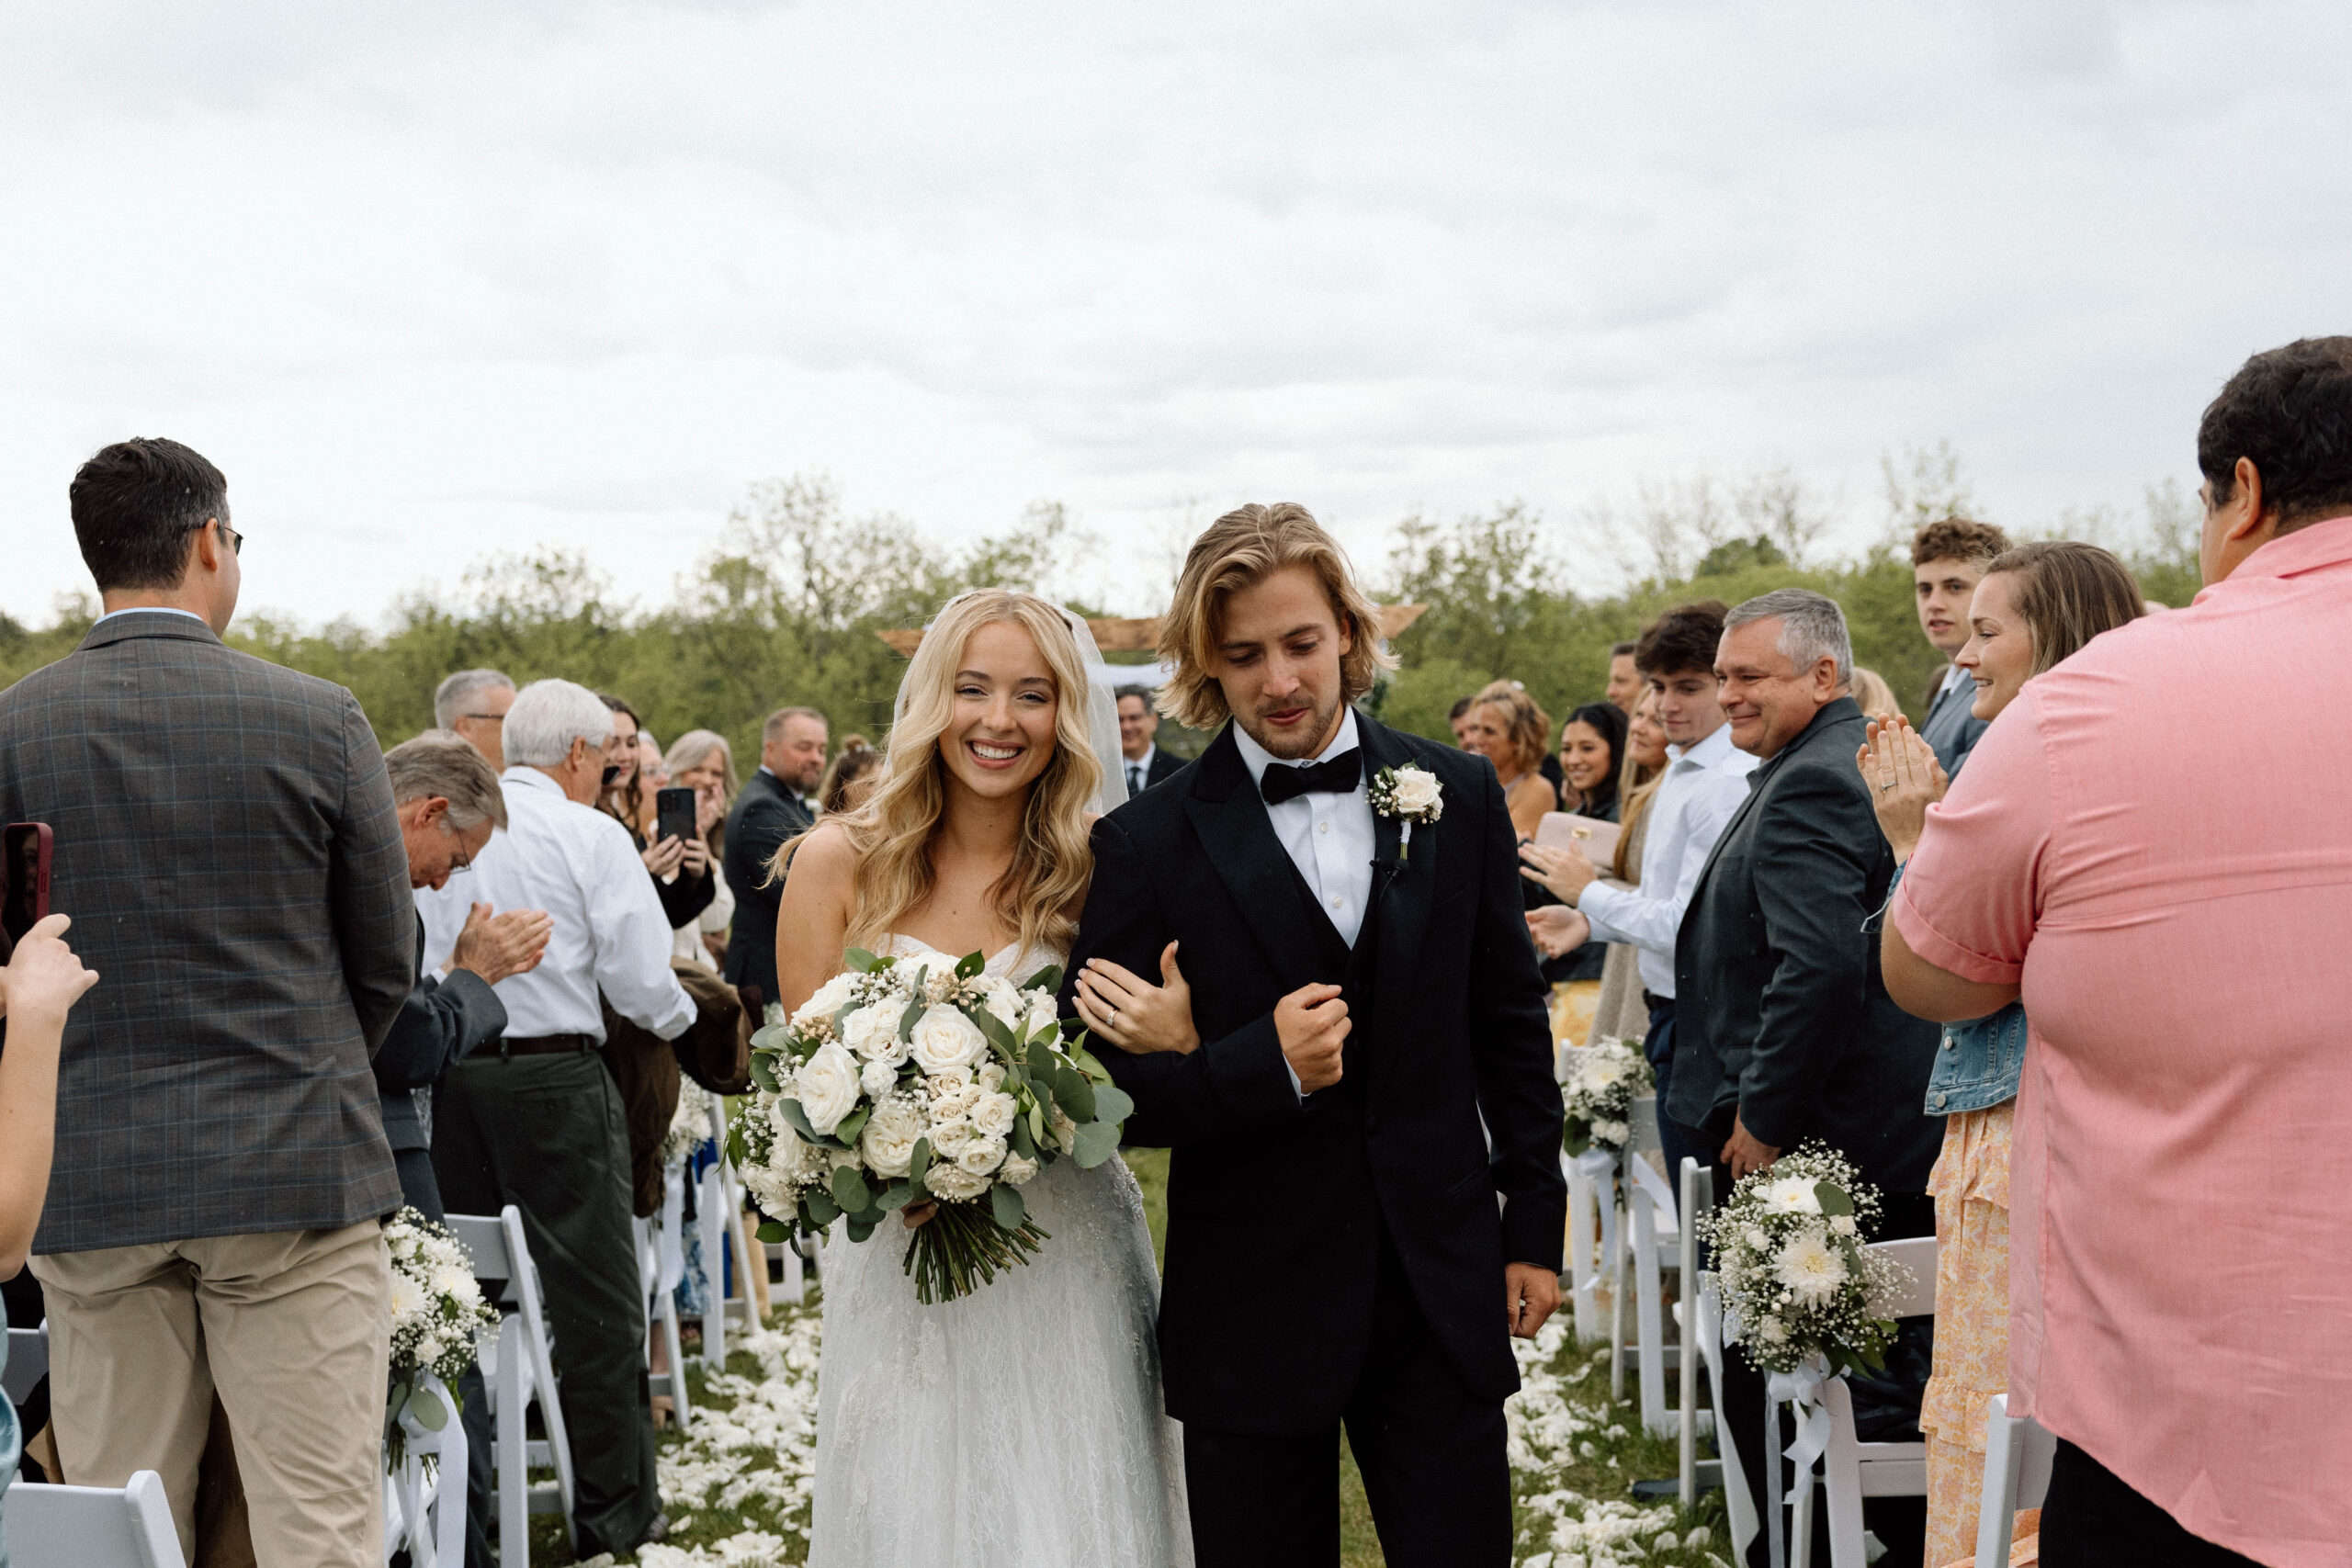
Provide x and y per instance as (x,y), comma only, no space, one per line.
(438,1320)
(903,1081)
(1604,1079)
(1798,1289)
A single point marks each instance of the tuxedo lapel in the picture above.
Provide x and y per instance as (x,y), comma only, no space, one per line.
(1404,884)
(1228,814)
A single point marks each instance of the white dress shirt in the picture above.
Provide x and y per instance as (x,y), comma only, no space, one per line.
(1695,802)
(1328,836)
(1138,769)
(610,934)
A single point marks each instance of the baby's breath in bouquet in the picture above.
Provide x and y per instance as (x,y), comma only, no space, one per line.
(1796,1281)
(1604,1078)
(906,1080)
(438,1321)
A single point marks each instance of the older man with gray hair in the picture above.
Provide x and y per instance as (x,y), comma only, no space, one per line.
(534,1120)
(1784,1029)
(471,704)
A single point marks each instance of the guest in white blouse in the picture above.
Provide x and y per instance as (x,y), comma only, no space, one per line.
(534,1120)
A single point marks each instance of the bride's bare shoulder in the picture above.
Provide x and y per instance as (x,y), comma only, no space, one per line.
(824,863)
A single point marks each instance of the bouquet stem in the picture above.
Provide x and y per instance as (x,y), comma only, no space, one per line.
(961,1248)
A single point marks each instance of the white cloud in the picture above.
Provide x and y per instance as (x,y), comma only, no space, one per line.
(433,281)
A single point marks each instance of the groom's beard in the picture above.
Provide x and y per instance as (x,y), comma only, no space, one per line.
(1297,741)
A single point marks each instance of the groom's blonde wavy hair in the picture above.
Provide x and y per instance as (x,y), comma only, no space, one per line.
(893,832)
(1239,551)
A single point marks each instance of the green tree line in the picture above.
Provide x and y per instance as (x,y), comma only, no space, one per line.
(787,608)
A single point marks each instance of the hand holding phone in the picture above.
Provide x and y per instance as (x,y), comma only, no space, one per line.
(674,816)
(43,978)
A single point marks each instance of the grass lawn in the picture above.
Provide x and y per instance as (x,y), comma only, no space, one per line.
(737,1490)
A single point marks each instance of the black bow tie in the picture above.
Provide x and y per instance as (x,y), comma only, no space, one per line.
(1340,775)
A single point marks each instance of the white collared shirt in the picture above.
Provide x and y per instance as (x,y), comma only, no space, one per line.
(1695,802)
(151,610)
(1954,676)
(1137,770)
(1328,836)
(610,934)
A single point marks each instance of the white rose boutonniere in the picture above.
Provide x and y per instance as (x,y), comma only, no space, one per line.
(1409,795)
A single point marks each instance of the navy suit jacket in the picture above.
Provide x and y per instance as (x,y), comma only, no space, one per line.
(1952,730)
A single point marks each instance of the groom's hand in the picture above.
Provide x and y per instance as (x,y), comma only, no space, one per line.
(1312,1023)
(1530,1296)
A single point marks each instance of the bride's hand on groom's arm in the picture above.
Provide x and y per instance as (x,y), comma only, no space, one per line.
(1134,1016)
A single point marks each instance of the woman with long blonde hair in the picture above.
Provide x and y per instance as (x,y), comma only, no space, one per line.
(977,841)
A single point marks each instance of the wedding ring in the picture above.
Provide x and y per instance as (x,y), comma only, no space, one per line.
(1886,784)
(1114,1017)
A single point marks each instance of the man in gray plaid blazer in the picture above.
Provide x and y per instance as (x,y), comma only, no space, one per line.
(226,843)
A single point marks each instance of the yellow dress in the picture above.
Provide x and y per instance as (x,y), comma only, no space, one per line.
(1971,1184)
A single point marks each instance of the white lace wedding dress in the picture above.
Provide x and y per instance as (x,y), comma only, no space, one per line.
(1021,1426)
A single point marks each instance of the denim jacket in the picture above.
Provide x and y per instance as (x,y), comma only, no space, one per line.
(1979,1060)
(1978,1063)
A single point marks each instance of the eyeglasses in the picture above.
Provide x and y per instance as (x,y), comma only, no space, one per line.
(458,866)
(485,717)
(236,540)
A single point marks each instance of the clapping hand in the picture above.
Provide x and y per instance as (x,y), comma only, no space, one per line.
(1136,1017)
(496,946)
(1905,780)
(1565,873)
(1559,930)
(710,810)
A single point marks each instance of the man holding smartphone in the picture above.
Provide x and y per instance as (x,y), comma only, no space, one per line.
(224,836)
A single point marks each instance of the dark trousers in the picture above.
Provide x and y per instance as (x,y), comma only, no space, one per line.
(545,1133)
(1658,1046)
(2091,1519)
(418,1190)
(1900,1523)
(1432,1456)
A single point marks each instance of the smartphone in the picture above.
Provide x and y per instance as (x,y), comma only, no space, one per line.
(674,815)
(23,856)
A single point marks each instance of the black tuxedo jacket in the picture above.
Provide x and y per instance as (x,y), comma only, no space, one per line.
(763,817)
(1781,1013)
(1277,1210)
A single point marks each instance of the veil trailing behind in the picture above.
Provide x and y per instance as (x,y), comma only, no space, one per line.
(1022,1424)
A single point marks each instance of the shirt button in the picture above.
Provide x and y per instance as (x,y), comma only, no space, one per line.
(1322,826)
(1338,902)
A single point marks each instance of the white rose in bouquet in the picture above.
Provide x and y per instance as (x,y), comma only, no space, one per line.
(826,1086)
(991,1075)
(890,1136)
(1417,790)
(940,1085)
(956,1103)
(1003,998)
(944,1039)
(878,1078)
(816,1014)
(873,1033)
(982,1156)
(1061,1129)
(1043,1014)
(992,1114)
(949,1137)
(950,1180)
(1015,1170)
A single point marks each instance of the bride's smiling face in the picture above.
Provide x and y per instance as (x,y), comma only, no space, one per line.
(999,733)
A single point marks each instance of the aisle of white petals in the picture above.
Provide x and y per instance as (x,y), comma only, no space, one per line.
(738,1487)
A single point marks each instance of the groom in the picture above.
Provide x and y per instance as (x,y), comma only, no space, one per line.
(1344,1242)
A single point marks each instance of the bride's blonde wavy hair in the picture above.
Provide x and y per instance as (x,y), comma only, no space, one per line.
(893,831)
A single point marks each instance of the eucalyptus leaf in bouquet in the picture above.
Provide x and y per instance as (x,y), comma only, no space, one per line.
(909,1081)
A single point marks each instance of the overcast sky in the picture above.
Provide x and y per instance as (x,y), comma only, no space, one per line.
(429,281)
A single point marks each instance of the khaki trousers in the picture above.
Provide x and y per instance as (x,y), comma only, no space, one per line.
(293,1329)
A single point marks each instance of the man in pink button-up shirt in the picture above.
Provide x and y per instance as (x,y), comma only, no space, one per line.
(2155,842)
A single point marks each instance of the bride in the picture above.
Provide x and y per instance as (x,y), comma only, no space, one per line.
(1022,1424)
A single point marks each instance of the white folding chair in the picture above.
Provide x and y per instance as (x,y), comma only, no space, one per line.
(27,1362)
(425,1506)
(656,1244)
(721,1203)
(1851,1468)
(519,1366)
(2018,1452)
(1652,1242)
(1585,1199)
(93,1526)
(1707,1338)
(1691,1471)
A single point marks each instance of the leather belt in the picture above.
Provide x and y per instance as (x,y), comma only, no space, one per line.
(544,1044)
